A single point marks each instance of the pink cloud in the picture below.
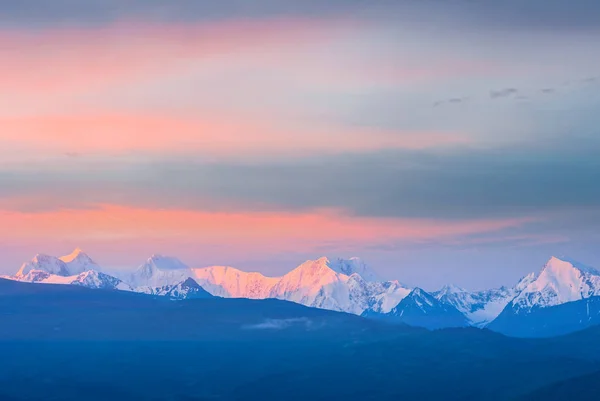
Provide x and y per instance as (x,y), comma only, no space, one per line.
(118,134)
(60,60)
(74,60)
(270,230)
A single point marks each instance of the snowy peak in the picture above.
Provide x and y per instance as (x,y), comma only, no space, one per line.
(76,254)
(190,283)
(560,281)
(95,279)
(161,262)
(561,267)
(311,280)
(316,264)
(159,271)
(448,290)
(384,296)
(32,276)
(311,269)
(225,281)
(75,263)
(480,307)
(89,279)
(421,298)
(46,263)
(422,309)
(352,266)
(347,267)
(525,281)
(78,262)
(187,289)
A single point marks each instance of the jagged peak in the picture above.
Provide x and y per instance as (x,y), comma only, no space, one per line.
(555,264)
(41,257)
(418,292)
(315,266)
(32,275)
(154,258)
(348,267)
(451,289)
(528,277)
(77,253)
(43,262)
(321,260)
(561,280)
(162,262)
(358,266)
(420,297)
(191,283)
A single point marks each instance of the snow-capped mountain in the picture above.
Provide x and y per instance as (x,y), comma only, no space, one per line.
(77,268)
(158,271)
(385,295)
(187,289)
(316,283)
(228,282)
(550,321)
(321,283)
(90,279)
(481,307)
(355,265)
(559,282)
(69,265)
(99,280)
(338,284)
(422,309)
(563,297)
(79,262)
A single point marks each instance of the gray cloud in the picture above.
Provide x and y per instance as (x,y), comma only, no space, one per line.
(456,184)
(553,15)
(453,100)
(506,92)
(41,12)
(557,15)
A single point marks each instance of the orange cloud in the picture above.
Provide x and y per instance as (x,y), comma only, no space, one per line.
(275,231)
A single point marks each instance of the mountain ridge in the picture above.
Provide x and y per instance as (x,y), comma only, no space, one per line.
(333,284)
(422,309)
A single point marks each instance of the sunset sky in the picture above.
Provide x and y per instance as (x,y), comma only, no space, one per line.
(437,140)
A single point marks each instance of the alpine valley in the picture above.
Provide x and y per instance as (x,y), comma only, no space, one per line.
(564,296)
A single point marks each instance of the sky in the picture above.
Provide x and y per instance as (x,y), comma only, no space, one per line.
(440,141)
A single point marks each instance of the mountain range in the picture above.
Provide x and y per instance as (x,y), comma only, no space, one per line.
(349,285)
